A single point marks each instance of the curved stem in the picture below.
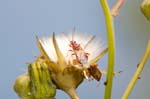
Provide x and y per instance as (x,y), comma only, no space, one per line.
(111,48)
(137,72)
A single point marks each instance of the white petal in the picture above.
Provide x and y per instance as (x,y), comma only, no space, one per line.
(94,47)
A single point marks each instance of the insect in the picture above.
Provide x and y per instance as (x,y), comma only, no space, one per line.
(81,57)
(95,72)
(92,70)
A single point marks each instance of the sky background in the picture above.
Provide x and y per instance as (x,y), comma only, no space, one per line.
(22,20)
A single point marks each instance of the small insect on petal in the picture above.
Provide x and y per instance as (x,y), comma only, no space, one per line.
(95,73)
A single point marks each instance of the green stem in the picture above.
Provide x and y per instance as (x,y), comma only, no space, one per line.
(111,48)
(137,72)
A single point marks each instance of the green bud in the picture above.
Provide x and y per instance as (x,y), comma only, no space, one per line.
(22,85)
(42,86)
(145,9)
(36,83)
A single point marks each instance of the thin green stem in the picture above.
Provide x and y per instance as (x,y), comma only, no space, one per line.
(111,48)
(137,72)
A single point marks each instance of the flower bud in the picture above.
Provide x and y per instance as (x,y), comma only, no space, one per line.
(36,83)
(22,85)
(42,86)
(145,9)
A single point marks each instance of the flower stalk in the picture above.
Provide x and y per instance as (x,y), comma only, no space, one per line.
(137,72)
(115,9)
(111,48)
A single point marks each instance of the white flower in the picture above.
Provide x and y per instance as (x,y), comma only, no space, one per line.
(72,58)
(89,44)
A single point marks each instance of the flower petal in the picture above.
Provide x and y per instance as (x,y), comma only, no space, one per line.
(60,57)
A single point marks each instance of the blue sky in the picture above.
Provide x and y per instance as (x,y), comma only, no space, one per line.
(22,20)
